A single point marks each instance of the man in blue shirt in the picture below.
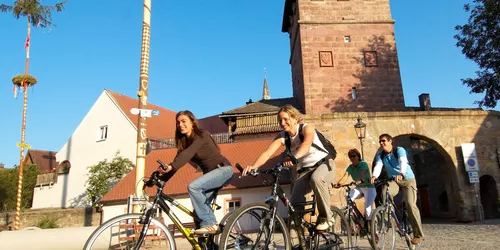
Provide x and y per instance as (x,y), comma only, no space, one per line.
(395,161)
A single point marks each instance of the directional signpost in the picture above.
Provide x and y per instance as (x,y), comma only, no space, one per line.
(145,112)
(23,145)
(472,169)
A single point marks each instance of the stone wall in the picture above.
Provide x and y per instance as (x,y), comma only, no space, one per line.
(70,217)
(445,130)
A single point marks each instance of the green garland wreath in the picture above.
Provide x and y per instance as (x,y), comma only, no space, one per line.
(19,79)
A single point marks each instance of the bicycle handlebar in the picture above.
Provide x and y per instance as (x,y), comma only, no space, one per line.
(383,181)
(254,172)
(345,185)
(154,179)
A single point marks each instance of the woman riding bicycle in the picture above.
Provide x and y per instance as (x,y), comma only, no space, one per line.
(360,174)
(196,145)
(309,176)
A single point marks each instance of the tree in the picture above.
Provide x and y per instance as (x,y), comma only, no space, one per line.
(105,175)
(8,180)
(480,42)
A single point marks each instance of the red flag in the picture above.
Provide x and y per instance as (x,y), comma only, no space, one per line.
(27,44)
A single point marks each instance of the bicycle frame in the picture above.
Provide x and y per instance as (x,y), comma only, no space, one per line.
(159,200)
(351,208)
(393,210)
(272,201)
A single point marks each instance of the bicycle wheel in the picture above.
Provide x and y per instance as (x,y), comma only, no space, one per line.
(222,224)
(247,228)
(354,228)
(382,228)
(409,235)
(122,232)
(338,236)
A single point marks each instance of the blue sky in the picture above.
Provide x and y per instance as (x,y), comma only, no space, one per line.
(206,56)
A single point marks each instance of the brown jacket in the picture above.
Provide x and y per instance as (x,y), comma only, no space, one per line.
(203,151)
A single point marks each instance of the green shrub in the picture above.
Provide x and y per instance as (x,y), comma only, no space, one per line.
(47,222)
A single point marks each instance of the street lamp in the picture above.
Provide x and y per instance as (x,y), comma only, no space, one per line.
(360,128)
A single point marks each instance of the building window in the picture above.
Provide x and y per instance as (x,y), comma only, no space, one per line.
(102,133)
(232,204)
(64,167)
(354,93)
(347,39)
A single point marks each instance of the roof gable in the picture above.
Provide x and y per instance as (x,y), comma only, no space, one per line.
(213,124)
(43,159)
(262,106)
(158,127)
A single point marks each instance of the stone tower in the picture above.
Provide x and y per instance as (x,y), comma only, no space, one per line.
(343,55)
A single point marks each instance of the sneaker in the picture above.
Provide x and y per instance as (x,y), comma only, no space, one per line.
(324,225)
(416,240)
(214,229)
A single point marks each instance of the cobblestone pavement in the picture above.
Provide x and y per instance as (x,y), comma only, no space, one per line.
(440,235)
(449,235)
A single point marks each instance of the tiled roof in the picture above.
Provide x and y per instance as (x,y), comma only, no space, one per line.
(243,153)
(262,106)
(213,124)
(158,127)
(44,160)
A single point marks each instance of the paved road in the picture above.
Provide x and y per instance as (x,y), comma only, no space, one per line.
(445,235)
(439,236)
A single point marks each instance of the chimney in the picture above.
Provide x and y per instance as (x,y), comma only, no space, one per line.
(249,101)
(425,102)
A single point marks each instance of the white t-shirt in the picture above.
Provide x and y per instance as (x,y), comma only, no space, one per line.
(313,156)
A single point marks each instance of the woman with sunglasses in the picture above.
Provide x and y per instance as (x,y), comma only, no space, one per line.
(360,174)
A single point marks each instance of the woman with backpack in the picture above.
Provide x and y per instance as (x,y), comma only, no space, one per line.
(315,165)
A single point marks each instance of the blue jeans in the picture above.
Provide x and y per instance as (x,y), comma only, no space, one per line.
(201,190)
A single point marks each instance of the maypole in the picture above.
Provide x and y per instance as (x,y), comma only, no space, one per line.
(37,15)
(143,101)
(23,82)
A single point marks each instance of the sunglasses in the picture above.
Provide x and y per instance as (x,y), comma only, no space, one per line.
(382,141)
(352,156)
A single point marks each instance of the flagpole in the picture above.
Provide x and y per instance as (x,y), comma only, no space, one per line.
(143,101)
(23,132)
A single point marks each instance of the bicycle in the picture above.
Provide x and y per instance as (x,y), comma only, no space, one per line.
(357,222)
(133,231)
(386,217)
(261,233)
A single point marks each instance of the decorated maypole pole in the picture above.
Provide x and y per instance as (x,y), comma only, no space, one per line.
(23,81)
(39,16)
(143,100)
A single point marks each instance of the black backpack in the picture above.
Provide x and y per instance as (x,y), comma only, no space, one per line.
(330,149)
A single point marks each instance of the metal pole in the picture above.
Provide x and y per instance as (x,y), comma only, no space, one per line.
(362,151)
(143,101)
(17,221)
